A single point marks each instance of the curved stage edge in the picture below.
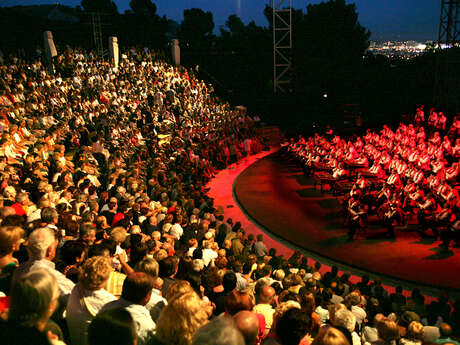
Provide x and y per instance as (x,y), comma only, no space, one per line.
(280,200)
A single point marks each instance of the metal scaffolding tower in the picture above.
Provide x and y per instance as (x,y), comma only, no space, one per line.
(449,23)
(282,44)
(97,33)
(447,82)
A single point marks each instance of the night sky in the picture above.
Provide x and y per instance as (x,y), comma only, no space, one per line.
(386,19)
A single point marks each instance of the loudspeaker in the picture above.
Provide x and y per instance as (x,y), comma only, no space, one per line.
(113,50)
(175,51)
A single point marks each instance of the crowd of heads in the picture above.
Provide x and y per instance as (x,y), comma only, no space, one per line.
(108,235)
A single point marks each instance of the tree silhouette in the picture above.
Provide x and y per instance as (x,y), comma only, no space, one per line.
(328,48)
(103,6)
(141,25)
(196,28)
(143,8)
(331,30)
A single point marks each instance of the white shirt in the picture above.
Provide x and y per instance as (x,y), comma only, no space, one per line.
(267,311)
(359,313)
(65,285)
(156,304)
(323,314)
(145,327)
(82,309)
(208,256)
(36,215)
(190,251)
(369,334)
(355,338)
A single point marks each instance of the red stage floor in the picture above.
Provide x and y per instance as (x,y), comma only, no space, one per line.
(278,197)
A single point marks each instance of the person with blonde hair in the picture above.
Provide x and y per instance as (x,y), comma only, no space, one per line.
(181,318)
(149,266)
(160,254)
(118,235)
(9,193)
(11,238)
(388,332)
(414,335)
(33,299)
(178,288)
(88,297)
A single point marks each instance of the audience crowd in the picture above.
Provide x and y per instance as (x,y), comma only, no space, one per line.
(405,175)
(107,235)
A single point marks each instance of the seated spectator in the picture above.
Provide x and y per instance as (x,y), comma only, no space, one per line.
(168,270)
(137,289)
(445,331)
(219,298)
(260,249)
(322,310)
(219,331)
(11,238)
(414,335)
(115,326)
(294,327)
(72,256)
(354,303)
(248,324)
(41,248)
(345,321)
(330,336)
(236,301)
(265,299)
(88,297)
(87,234)
(157,302)
(181,318)
(34,298)
(178,288)
(369,333)
(388,332)
(307,301)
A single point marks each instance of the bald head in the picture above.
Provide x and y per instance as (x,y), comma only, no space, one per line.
(378,317)
(266,295)
(248,324)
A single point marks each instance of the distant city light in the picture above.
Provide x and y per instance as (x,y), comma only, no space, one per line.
(400,49)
